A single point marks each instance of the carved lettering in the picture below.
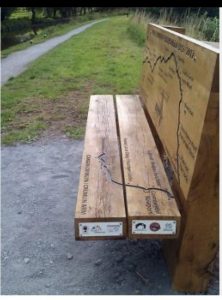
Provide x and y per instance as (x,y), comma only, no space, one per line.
(152,204)
(85,186)
(127,156)
(153,166)
(175,44)
(188,143)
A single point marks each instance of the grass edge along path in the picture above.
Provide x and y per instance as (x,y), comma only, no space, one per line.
(52,31)
(53,94)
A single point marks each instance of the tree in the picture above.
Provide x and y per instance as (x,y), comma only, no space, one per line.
(33,11)
(6,12)
(33,14)
(65,11)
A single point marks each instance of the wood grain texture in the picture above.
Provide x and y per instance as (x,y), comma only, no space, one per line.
(175,88)
(199,238)
(148,193)
(178,29)
(182,99)
(99,198)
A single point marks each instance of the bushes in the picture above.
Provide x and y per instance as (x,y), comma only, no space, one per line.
(15,25)
(198,25)
(137,33)
(137,27)
(211,29)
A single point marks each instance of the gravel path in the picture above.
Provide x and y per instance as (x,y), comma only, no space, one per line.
(39,252)
(17,62)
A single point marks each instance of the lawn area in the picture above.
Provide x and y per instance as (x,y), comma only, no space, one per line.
(46,33)
(53,94)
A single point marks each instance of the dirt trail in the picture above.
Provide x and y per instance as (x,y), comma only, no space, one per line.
(39,252)
(17,62)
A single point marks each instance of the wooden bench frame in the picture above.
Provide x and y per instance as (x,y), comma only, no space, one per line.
(190,256)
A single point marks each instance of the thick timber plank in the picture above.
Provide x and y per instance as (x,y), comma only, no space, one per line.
(180,90)
(151,207)
(198,244)
(100,209)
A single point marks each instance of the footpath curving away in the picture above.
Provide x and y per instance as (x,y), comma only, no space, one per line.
(17,62)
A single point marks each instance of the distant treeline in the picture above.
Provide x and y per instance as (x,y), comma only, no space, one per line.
(181,11)
(68,12)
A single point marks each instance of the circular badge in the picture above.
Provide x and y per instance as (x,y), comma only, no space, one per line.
(154,226)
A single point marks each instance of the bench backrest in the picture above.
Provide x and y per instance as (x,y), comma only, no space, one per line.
(180,91)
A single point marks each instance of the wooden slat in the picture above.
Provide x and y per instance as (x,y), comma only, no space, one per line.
(178,29)
(149,197)
(100,200)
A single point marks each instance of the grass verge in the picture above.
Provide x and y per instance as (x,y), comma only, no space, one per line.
(44,34)
(54,92)
(75,132)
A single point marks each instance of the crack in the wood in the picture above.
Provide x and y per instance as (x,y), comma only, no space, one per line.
(162,59)
(104,166)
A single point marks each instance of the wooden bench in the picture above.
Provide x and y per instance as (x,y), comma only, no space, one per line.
(124,189)
(148,208)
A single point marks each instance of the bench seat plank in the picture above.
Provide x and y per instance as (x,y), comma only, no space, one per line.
(100,209)
(151,207)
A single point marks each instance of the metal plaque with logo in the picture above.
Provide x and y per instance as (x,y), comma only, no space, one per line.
(101,229)
(154,227)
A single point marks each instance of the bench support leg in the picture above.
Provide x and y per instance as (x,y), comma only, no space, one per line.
(191,255)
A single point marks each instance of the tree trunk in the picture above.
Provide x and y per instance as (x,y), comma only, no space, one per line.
(74,11)
(54,12)
(33,14)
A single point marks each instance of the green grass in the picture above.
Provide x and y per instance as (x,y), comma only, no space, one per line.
(75,132)
(49,32)
(102,60)
(20,12)
(137,33)
(28,134)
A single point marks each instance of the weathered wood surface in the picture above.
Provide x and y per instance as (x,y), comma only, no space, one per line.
(213,44)
(151,208)
(199,241)
(176,82)
(100,199)
(178,29)
(180,90)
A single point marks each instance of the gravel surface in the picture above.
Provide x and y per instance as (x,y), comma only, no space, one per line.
(17,62)
(39,252)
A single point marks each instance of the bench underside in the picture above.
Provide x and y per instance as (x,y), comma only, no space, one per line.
(123,189)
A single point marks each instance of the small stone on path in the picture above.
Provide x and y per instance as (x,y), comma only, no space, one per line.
(119,259)
(26,260)
(98,262)
(69,256)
